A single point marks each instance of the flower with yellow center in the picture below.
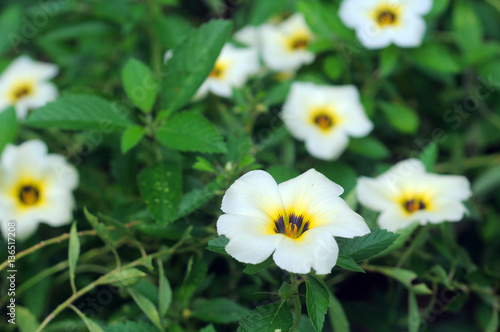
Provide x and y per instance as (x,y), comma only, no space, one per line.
(324,117)
(407,193)
(295,221)
(379,23)
(34,187)
(24,85)
(231,70)
(285,46)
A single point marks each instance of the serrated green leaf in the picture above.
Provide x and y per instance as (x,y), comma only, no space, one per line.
(317,302)
(268,318)
(10,24)
(338,318)
(191,63)
(368,147)
(348,263)
(131,137)
(8,127)
(190,131)
(165,291)
(139,84)
(222,311)
(402,118)
(429,156)
(369,245)
(80,111)
(124,278)
(73,252)
(25,320)
(218,244)
(404,235)
(161,188)
(147,307)
(254,268)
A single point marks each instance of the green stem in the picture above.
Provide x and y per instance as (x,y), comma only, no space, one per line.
(474,162)
(296,302)
(419,239)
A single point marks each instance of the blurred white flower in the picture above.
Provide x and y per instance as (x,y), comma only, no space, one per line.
(24,85)
(284,46)
(231,70)
(249,36)
(297,220)
(379,23)
(324,117)
(407,194)
(35,187)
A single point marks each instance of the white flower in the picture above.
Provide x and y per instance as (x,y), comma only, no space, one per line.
(379,23)
(34,186)
(324,117)
(24,85)
(249,36)
(297,220)
(406,194)
(284,46)
(231,70)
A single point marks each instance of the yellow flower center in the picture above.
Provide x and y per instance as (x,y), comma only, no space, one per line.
(29,195)
(219,70)
(298,41)
(292,225)
(324,118)
(386,15)
(324,121)
(414,204)
(21,90)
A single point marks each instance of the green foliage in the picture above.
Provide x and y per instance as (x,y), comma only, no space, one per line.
(10,24)
(337,315)
(147,307)
(317,301)
(266,318)
(140,84)
(222,311)
(8,127)
(252,269)
(364,247)
(26,320)
(402,118)
(131,137)
(218,244)
(73,252)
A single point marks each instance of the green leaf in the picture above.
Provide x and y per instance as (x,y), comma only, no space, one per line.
(218,244)
(262,10)
(165,291)
(124,278)
(348,263)
(171,29)
(338,318)
(25,319)
(282,173)
(388,60)
(429,156)
(208,328)
(402,118)
(254,268)
(277,94)
(404,235)
(128,326)
(73,252)
(406,277)
(368,147)
(268,318)
(195,274)
(161,188)
(436,58)
(91,325)
(222,311)
(493,323)
(140,84)
(364,247)
(467,27)
(101,230)
(80,111)
(197,198)
(204,165)
(333,66)
(190,131)
(413,313)
(192,62)
(317,302)
(131,137)
(10,24)
(8,127)
(147,307)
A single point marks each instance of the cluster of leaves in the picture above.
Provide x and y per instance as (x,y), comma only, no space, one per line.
(153,165)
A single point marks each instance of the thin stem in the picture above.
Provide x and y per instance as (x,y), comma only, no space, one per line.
(421,237)
(473,162)
(296,302)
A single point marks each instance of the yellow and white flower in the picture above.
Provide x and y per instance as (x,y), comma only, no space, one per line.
(324,117)
(24,85)
(379,23)
(231,70)
(285,46)
(407,194)
(34,187)
(295,221)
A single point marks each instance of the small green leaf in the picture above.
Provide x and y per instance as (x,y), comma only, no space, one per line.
(124,278)
(406,277)
(190,131)
(218,244)
(317,302)
(204,165)
(402,118)
(364,247)
(348,263)
(131,137)
(254,268)
(191,63)
(270,317)
(25,319)
(429,156)
(222,311)
(8,127)
(161,188)
(413,313)
(338,318)
(368,147)
(208,328)
(91,325)
(139,84)
(73,253)
(467,27)
(165,291)
(147,307)
(333,67)
(436,58)
(388,60)
(195,274)
(79,111)
(101,230)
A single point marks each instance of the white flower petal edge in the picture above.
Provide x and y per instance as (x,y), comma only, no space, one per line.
(324,117)
(35,187)
(297,220)
(407,194)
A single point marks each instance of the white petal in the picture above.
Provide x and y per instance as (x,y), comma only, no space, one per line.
(326,146)
(374,194)
(372,37)
(249,35)
(59,173)
(255,194)
(394,219)
(25,228)
(219,87)
(250,239)
(420,7)
(27,157)
(314,249)
(354,13)
(410,33)
(450,186)
(402,173)
(44,93)
(446,210)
